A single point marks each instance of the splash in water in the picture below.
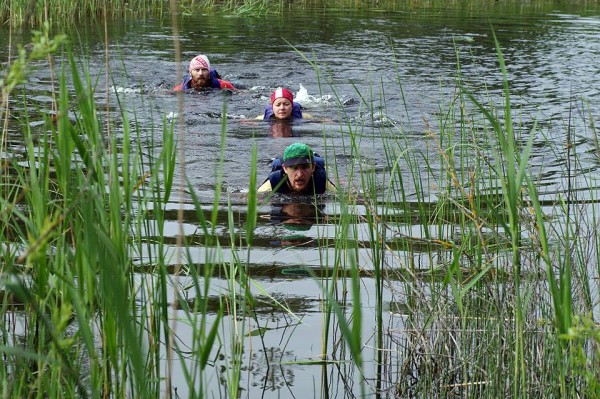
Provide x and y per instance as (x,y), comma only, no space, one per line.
(308,101)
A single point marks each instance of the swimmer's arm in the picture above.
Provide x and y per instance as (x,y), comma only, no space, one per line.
(266,187)
(315,118)
(226,85)
(330,187)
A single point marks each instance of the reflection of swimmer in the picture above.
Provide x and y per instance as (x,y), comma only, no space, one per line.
(292,240)
(281,129)
(201,76)
(300,213)
(277,128)
(297,216)
(300,173)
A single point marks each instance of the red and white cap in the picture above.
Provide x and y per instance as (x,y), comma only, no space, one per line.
(199,61)
(281,92)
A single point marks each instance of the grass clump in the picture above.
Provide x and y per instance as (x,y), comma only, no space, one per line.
(491,287)
(62,12)
(68,251)
(511,315)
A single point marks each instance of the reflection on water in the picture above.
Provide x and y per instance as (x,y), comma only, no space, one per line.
(297,215)
(280,129)
(269,371)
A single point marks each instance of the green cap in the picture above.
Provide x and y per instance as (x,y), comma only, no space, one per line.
(298,227)
(298,154)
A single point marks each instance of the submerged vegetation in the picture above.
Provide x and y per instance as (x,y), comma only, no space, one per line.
(495,296)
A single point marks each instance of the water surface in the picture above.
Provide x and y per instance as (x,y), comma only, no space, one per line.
(369,74)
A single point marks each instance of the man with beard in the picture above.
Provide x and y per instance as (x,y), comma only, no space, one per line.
(301,173)
(201,76)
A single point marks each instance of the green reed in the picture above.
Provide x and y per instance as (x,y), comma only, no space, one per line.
(79,195)
(497,289)
(491,242)
(61,12)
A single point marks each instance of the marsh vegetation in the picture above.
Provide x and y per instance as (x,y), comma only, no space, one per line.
(447,268)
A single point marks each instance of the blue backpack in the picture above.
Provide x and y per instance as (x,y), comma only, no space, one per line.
(319,176)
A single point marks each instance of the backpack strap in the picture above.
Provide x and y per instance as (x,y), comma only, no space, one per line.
(277,180)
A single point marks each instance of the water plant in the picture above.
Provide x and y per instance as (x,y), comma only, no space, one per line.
(482,284)
(62,12)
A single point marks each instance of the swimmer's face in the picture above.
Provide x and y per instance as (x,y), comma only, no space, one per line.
(299,176)
(200,78)
(282,108)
